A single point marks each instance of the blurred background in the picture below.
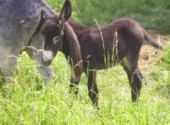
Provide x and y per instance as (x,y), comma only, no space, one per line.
(152,14)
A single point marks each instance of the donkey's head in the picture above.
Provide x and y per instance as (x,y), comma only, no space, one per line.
(52,31)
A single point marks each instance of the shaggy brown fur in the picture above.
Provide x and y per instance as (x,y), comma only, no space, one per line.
(118,42)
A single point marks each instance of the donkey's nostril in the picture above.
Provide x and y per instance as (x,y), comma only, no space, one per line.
(47,62)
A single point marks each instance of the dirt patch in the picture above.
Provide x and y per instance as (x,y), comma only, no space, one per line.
(150,56)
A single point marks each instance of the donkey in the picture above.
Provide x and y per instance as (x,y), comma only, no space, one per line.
(20,22)
(101,48)
(55,29)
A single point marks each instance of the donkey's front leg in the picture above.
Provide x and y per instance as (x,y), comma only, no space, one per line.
(35,51)
(74,86)
(92,87)
(8,61)
(76,73)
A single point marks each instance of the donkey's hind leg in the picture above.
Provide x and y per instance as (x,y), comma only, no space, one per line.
(92,87)
(130,65)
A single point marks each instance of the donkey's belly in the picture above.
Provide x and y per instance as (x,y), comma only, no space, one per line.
(103,62)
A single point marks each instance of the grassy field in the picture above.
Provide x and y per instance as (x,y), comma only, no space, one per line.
(28,101)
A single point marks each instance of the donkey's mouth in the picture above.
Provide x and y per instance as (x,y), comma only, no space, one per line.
(47,62)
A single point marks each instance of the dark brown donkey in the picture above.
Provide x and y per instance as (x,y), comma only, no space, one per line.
(53,33)
(118,42)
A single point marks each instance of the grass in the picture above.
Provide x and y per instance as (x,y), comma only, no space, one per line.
(152,14)
(28,101)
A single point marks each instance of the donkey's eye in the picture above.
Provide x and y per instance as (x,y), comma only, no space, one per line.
(56,39)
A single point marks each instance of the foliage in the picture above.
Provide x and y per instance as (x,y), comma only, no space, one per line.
(152,14)
(28,101)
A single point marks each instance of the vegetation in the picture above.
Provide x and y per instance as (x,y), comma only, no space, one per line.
(152,14)
(28,101)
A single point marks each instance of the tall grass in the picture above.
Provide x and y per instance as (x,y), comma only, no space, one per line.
(28,101)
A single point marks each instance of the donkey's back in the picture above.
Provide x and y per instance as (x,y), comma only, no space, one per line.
(121,38)
(130,28)
(118,42)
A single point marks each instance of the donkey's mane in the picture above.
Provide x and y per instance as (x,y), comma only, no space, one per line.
(80,28)
(77,25)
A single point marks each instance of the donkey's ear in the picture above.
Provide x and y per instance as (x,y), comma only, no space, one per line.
(65,12)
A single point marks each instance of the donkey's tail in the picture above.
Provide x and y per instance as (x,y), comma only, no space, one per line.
(152,42)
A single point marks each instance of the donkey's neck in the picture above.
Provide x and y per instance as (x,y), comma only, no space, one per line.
(78,28)
(77,25)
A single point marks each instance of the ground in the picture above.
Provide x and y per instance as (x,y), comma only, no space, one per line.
(150,56)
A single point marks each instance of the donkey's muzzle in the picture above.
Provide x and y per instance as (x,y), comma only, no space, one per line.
(47,57)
